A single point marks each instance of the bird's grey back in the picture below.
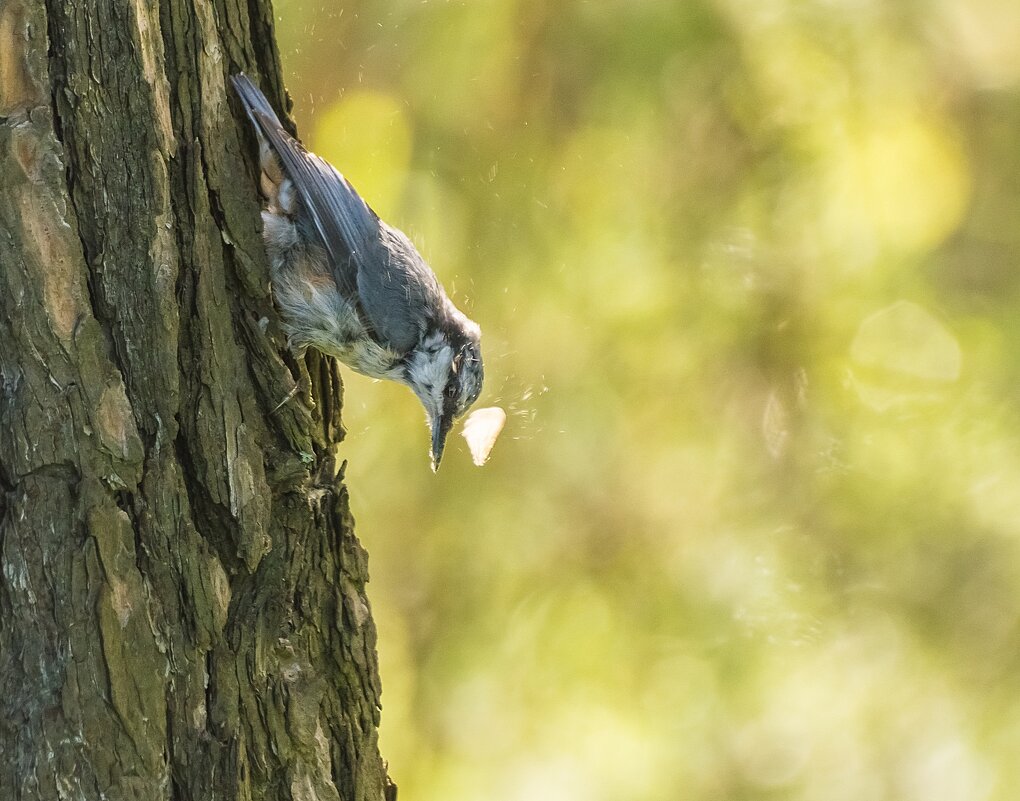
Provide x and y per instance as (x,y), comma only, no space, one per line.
(375,266)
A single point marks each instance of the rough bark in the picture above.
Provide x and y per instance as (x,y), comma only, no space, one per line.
(182,604)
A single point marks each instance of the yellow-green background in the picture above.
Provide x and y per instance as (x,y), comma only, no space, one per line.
(748,274)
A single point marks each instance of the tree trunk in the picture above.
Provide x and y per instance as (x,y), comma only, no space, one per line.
(182,604)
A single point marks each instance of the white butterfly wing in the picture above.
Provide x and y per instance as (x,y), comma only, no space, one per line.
(481,430)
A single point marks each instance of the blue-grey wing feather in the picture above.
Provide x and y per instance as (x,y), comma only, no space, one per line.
(398,290)
(374,265)
(341,225)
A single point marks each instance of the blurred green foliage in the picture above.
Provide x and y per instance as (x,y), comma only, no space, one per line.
(748,274)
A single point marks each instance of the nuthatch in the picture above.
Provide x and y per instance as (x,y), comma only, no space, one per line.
(353,287)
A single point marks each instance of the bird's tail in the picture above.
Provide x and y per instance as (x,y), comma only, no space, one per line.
(255,103)
(262,118)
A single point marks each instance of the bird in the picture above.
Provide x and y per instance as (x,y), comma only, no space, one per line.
(353,287)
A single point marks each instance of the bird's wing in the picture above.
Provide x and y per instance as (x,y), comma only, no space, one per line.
(340,217)
(374,265)
(398,290)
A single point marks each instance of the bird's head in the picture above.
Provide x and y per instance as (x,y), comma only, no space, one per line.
(445,372)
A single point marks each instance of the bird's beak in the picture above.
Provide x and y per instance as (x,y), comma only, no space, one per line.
(441,425)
